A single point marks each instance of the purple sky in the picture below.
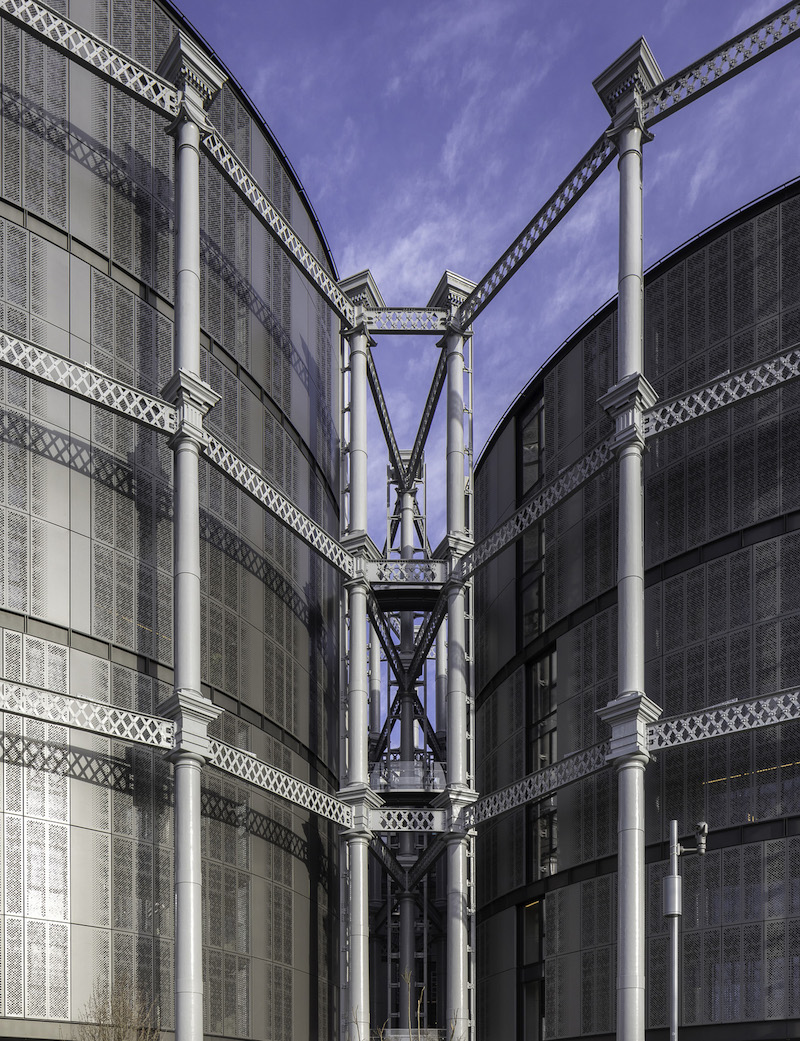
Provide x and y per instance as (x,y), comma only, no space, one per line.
(427,134)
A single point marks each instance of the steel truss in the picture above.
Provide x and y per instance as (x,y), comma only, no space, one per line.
(156,732)
(445,826)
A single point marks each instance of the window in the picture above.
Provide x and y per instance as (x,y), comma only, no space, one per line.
(532,448)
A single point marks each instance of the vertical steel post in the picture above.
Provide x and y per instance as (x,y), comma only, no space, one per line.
(198,80)
(374,684)
(672,911)
(620,87)
(357,791)
(458,1005)
(441,685)
(407,904)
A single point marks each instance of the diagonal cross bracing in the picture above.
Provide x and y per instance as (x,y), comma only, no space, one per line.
(557,206)
(427,634)
(93,53)
(251,481)
(245,184)
(385,420)
(428,413)
(383,738)
(733,57)
(426,860)
(381,851)
(381,626)
(84,381)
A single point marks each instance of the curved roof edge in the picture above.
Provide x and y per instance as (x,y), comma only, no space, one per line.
(733,218)
(180,17)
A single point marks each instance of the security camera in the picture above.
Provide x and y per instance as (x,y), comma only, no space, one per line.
(701,831)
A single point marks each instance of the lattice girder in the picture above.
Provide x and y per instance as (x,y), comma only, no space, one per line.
(95,54)
(720,720)
(542,783)
(92,716)
(744,383)
(567,483)
(418,572)
(417,320)
(247,767)
(584,174)
(412,818)
(251,481)
(244,183)
(84,381)
(715,68)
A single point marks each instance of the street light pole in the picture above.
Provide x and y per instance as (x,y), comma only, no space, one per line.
(673,909)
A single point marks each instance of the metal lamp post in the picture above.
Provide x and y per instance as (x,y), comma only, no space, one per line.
(673,909)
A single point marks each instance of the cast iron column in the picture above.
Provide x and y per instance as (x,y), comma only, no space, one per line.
(406,857)
(458,794)
(357,792)
(198,80)
(621,87)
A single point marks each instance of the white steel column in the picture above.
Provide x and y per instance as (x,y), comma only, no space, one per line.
(406,857)
(441,685)
(357,791)
(374,684)
(620,87)
(198,80)
(457,993)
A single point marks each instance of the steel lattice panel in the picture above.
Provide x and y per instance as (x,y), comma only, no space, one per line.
(249,768)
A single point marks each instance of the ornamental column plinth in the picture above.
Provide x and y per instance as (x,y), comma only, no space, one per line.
(198,81)
(621,88)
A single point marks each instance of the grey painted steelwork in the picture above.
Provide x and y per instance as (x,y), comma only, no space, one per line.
(415,320)
(620,88)
(87,50)
(631,715)
(198,81)
(88,383)
(741,52)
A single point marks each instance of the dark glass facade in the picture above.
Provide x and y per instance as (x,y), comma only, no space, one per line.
(722,616)
(86,270)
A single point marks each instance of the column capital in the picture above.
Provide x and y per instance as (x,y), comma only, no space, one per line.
(623,83)
(359,327)
(362,800)
(628,716)
(450,294)
(456,800)
(362,290)
(192,714)
(359,545)
(193,399)
(196,76)
(625,402)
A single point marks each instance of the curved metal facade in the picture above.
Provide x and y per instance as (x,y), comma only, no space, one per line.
(86,502)
(722,617)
